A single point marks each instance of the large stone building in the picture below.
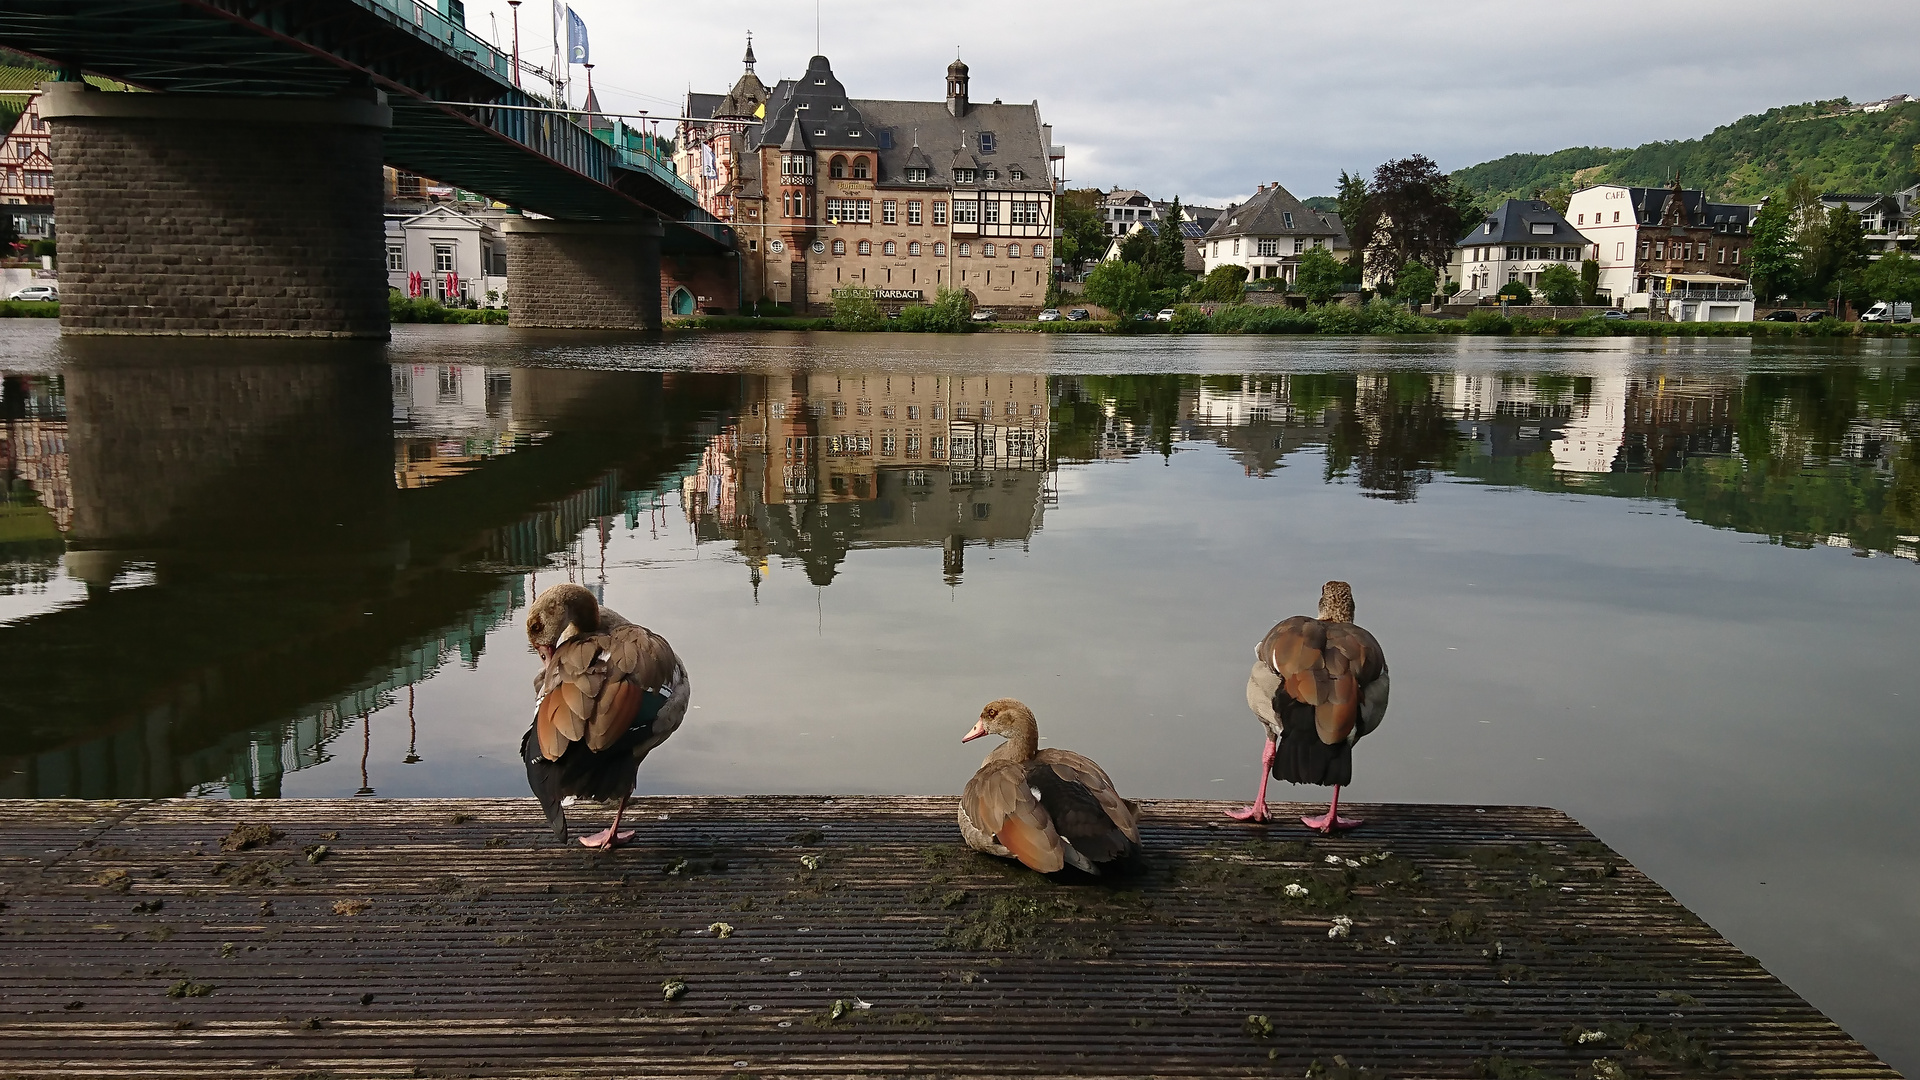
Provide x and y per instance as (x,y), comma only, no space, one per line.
(901,197)
(1658,240)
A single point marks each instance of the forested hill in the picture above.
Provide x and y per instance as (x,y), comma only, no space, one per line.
(1753,157)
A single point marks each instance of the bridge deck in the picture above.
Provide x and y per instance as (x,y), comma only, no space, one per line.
(453,937)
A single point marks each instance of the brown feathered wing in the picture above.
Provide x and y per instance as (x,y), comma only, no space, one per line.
(591,689)
(1333,667)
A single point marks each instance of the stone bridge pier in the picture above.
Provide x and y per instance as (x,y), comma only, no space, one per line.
(205,215)
(592,275)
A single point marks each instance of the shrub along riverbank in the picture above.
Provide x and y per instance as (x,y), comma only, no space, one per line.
(425,309)
(29,309)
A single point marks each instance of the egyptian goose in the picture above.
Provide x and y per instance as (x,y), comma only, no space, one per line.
(1048,808)
(1318,685)
(609,691)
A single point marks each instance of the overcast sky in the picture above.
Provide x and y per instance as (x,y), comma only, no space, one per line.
(1208,100)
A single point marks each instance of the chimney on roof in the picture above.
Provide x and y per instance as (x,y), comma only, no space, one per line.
(957,88)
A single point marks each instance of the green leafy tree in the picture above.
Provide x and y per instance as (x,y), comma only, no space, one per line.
(952,311)
(1557,197)
(1560,285)
(1516,292)
(1137,247)
(856,309)
(1170,247)
(1775,254)
(1119,286)
(1083,234)
(1319,275)
(1354,212)
(1415,284)
(1590,281)
(1834,254)
(1223,284)
(1894,277)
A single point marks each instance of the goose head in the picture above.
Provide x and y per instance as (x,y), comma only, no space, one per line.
(1012,721)
(1336,602)
(560,614)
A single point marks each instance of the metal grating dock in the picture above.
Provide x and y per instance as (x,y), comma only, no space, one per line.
(454,938)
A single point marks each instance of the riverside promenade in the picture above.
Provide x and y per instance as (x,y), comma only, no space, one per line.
(827,936)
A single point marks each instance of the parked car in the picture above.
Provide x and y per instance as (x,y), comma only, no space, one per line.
(1888,312)
(1078,314)
(1614,313)
(1815,316)
(1050,315)
(1166,315)
(984,315)
(1782,315)
(37,292)
(1145,316)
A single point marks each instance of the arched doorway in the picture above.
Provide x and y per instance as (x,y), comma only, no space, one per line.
(682,302)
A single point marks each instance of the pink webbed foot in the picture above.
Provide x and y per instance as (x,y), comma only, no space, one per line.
(606,839)
(1256,812)
(1330,822)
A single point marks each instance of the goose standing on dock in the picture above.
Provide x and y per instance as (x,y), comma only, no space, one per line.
(1047,808)
(1318,685)
(609,691)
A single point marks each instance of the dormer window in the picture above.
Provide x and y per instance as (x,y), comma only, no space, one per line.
(963,176)
(993,174)
(804,105)
(1542,228)
(819,82)
(839,108)
(916,175)
(986,142)
(1017,173)
(1288,218)
(819,133)
(853,133)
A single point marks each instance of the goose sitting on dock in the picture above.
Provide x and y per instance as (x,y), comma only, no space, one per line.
(1318,685)
(1047,808)
(609,692)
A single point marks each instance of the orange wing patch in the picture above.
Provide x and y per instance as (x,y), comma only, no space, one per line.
(619,704)
(1030,845)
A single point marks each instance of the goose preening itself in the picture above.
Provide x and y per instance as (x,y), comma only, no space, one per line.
(1318,685)
(1048,808)
(610,691)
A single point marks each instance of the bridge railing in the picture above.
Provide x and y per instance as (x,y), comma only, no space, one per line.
(455,39)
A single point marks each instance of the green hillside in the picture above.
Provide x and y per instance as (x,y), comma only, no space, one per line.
(1745,161)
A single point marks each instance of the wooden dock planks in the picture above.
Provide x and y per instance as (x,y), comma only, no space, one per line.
(456,938)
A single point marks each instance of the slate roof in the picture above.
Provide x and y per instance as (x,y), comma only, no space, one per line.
(701,106)
(1649,208)
(948,142)
(1514,222)
(817,102)
(1266,214)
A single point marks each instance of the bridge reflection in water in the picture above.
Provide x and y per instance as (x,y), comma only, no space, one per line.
(213,571)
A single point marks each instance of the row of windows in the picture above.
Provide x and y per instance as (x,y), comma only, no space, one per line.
(961,410)
(1685,252)
(1596,219)
(840,168)
(798,203)
(30,179)
(963,250)
(1018,444)
(1270,247)
(1563,254)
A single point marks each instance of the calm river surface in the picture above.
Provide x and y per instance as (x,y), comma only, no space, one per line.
(1668,587)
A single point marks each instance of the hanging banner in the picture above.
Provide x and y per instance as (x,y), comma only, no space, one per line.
(576,38)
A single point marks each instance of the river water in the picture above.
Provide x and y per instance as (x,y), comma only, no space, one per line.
(1667,587)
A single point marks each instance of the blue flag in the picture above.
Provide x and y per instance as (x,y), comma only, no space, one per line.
(576,38)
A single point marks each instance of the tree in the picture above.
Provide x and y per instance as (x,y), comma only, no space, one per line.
(1516,292)
(856,309)
(1319,275)
(1119,286)
(1833,255)
(1353,211)
(1223,284)
(1557,197)
(1083,233)
(1170,246)
(1137,247)
(1560,285)
(1775,254)
(1415,284)
(1416,216)
(1590,281)
(1894,277)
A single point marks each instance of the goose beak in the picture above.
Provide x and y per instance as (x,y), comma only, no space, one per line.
(979,729)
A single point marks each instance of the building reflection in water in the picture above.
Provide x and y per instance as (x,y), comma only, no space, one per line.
(292,543)
(817,464)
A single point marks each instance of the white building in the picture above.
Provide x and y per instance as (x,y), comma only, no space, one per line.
(1658,246)
(448,254)
(1518,242)
(1268,234)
